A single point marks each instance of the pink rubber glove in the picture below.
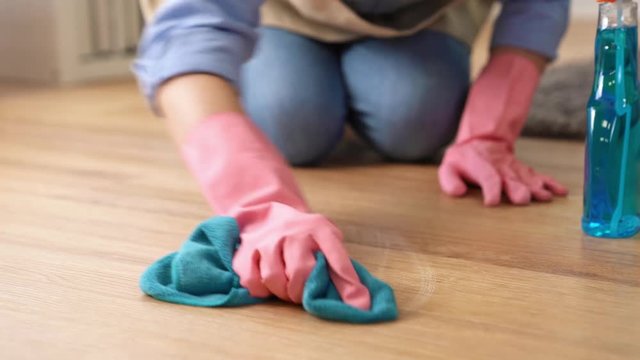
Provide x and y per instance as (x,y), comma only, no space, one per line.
(483,152)
(243,176)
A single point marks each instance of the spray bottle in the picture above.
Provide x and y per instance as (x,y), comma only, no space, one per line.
(612,158)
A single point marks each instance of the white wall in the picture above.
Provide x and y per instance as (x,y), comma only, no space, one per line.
(584,9)
(49,41)
(27,48)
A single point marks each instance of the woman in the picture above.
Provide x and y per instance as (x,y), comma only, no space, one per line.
(397,71)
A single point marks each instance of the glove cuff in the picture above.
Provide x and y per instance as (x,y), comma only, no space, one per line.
(500,100)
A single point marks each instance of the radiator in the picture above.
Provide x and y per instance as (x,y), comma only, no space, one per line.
(97,38)
(108,28)
(68,41)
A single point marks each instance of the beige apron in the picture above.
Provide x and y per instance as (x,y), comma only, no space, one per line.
(333,21)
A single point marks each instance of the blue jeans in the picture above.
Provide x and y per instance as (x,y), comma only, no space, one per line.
(404,95)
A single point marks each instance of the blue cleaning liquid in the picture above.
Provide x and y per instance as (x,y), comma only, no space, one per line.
(612,161)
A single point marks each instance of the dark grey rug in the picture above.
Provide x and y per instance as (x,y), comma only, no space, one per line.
(559,108)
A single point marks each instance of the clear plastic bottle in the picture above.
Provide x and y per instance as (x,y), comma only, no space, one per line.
(612,158)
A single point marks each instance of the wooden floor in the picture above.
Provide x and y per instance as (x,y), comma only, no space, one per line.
(92,191)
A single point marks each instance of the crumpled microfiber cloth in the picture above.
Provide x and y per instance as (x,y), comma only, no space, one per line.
(200,274)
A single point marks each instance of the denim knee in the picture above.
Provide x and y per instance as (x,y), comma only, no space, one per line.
(416,126)
(293,91)
(304,132)
(408,93)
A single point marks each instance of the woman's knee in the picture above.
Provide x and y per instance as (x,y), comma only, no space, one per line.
(413,137)
(293,91)
(416,124)
(304,132)
(408,93)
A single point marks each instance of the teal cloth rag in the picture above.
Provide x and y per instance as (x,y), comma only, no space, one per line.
(200,274)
